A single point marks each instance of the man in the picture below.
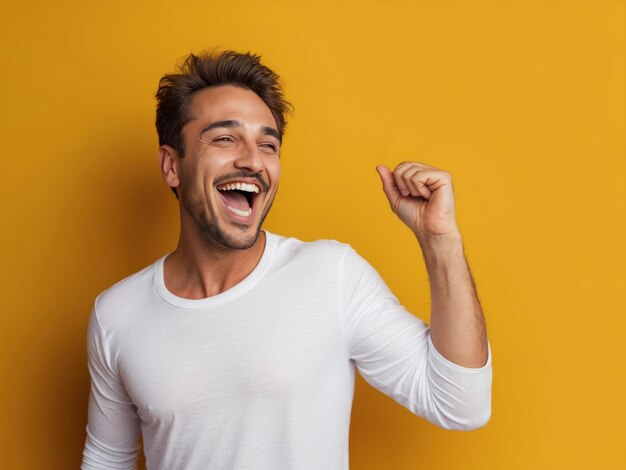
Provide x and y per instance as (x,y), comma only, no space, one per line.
(238,349)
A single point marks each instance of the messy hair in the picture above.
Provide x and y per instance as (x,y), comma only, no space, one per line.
(208,69)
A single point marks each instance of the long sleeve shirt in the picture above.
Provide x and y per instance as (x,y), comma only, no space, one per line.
(261,376)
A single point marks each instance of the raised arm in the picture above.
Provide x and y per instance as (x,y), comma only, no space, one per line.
(423,198)
(442,373)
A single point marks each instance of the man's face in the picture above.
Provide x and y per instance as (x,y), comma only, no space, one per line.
(229,174)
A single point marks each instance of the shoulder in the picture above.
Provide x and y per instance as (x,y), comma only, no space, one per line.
(314,252)
(115,305)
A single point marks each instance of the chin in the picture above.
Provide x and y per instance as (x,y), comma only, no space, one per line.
(225,233)
(241,241)
(235,237)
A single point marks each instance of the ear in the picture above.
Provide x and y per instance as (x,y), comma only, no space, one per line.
(168,158)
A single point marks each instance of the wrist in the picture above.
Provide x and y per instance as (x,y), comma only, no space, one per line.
(436,241)
(440,249)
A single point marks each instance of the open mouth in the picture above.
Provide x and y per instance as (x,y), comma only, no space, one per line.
(239,197)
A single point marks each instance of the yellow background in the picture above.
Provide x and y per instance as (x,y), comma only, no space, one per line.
(522,102)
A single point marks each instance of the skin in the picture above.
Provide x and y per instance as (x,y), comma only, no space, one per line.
(423,199)
(216,250)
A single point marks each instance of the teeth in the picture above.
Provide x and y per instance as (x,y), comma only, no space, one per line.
(249,188)
(241,213)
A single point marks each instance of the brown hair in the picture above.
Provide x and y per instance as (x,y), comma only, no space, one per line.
(208,69)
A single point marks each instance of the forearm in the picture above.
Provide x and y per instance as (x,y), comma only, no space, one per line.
(457,323)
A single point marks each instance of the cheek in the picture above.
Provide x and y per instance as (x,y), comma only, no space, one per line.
(200,177)
(191,181)
(273,170)
(197,184)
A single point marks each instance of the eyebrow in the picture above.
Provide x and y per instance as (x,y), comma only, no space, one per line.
(233,123)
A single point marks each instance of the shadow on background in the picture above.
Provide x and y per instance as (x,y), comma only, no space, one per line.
(128,205)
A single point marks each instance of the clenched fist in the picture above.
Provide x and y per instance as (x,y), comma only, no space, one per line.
(422,197)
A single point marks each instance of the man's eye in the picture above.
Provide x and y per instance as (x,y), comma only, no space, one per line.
(272,147)
(224,139)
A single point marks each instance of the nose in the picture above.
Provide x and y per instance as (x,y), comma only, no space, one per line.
(249,157)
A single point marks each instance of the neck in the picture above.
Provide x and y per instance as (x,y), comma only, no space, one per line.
(197,270)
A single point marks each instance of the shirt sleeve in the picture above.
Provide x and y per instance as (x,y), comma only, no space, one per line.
(394,353)
(113,428)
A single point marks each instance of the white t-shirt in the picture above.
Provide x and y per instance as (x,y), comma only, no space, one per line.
(261,376)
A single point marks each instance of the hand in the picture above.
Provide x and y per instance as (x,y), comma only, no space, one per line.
(422,197)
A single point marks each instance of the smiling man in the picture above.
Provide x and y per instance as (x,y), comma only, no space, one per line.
(225,183)
(238,349)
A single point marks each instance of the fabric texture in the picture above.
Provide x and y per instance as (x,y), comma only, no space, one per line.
(261,376)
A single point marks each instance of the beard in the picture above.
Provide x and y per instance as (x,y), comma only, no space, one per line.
(213,234)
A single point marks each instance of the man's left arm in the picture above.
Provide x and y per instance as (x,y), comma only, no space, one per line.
(423,198)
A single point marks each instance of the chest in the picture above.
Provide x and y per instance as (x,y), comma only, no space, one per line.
(194,368)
